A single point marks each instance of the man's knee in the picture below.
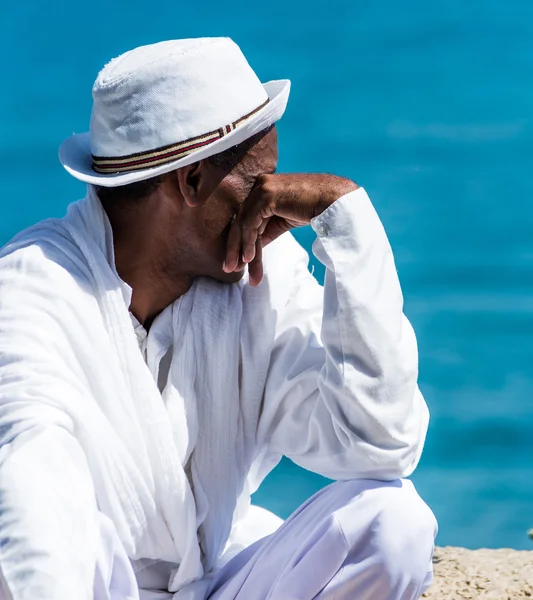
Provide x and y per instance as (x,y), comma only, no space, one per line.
(389,523)
(403,522)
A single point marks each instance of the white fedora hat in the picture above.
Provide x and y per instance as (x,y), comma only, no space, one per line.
(167,105)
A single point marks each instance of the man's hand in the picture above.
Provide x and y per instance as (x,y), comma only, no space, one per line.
(276,204)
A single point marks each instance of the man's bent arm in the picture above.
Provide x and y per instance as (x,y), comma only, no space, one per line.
(342,396)
(54,543)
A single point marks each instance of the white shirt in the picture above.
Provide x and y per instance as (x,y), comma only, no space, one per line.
(326,376)
(158,346)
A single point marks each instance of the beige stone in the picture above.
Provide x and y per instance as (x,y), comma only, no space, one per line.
(462,574)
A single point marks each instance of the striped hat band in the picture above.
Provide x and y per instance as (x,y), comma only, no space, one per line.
(165,154)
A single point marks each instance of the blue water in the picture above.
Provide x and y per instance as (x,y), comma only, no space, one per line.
(429,105)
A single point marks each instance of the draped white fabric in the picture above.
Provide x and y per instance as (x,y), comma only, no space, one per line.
(87,441)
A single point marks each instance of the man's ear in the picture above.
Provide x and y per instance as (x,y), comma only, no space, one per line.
(192,182)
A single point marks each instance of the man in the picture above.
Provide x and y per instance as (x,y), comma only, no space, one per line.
(164,344)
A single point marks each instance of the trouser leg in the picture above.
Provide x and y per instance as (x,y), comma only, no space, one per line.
(360,539)
(390,534)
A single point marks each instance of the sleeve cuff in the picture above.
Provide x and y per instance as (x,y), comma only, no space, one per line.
(331,220)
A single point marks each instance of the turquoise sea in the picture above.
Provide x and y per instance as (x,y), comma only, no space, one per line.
(429,105)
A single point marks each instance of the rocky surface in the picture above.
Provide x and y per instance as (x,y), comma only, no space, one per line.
(462,574)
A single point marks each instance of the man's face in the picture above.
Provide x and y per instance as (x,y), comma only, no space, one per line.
(231,185)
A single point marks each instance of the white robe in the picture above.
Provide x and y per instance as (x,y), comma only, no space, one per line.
(90,447)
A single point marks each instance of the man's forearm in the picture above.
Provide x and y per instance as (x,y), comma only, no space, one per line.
(370,379)
(48,519)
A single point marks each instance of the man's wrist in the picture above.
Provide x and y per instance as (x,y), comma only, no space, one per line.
(335,188)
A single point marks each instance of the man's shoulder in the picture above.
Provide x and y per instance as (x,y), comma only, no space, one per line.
(43,249)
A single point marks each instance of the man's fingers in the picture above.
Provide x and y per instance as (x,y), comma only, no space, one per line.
(248,237)
(263,226)
(275,227)
(255,268)
(252,219)
(248,225)
(233,248)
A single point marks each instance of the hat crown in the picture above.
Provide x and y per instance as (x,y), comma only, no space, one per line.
(170,92)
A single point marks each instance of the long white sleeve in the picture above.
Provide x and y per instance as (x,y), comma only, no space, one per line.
(55,544)
(341,397)
(48,518)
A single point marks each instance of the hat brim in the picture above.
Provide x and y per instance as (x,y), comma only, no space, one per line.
(75,151)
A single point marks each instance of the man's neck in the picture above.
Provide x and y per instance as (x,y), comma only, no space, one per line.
(152,292)
(145,260)
(144,264)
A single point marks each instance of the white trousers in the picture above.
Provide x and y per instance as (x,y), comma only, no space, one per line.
(353,540)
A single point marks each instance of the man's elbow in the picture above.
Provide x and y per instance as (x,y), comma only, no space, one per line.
(408,442)
(398,449)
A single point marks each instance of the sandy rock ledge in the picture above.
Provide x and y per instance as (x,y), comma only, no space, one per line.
(462,574)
